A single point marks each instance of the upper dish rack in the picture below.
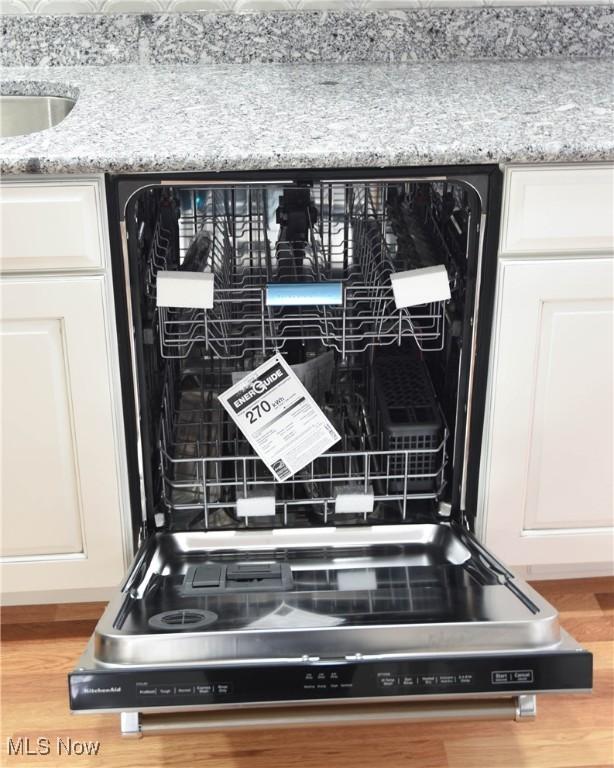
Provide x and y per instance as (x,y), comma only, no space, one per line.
(348,241)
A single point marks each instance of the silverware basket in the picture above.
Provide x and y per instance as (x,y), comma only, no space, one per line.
(407,413)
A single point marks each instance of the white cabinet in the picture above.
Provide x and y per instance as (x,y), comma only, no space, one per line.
(547,479)
(63,490)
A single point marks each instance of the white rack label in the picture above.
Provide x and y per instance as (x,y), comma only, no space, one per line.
(420,286)
(184,289)
(280,419)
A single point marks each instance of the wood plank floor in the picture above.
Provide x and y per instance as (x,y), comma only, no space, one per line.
(40,645)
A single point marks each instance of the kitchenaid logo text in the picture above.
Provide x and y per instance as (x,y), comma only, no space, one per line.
(257,387)
(113,689)
(25,746)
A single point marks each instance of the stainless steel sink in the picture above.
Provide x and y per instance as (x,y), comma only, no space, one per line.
(20,115)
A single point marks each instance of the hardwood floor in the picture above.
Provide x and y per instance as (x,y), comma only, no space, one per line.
(41,644)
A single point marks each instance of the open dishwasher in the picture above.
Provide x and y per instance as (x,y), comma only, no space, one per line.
(352,589)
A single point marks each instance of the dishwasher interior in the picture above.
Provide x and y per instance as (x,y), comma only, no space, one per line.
(358,578)
(387,378)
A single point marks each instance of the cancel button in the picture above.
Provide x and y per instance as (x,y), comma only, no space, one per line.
(511,676)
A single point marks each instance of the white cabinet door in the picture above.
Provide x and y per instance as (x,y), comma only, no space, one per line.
(547,474)
(61,506)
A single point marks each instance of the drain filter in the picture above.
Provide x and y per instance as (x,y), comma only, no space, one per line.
(188,619)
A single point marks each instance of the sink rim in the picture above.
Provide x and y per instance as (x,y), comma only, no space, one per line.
(36,97)
(58,100)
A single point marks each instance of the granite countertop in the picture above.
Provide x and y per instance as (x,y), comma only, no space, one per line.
(219,117)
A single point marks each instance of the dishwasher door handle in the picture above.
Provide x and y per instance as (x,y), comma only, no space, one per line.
(513,708)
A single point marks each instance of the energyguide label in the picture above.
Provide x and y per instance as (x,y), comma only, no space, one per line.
(279,418)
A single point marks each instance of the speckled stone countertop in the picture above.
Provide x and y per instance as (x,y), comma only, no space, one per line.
(238,117)
(310,36)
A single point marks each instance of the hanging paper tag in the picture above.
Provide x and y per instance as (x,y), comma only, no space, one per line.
(316,374)
(279,418)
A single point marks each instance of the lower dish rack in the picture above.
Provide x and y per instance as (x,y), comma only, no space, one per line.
(207,465)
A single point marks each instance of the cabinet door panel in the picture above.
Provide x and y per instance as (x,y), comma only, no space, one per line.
(547,475)
(61,505)
(570,444)
(550,209)
(47,225)
(39,470)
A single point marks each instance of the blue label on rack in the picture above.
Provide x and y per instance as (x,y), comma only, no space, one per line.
(303,294)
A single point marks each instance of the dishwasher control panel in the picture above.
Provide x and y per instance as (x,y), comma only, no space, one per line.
(323,680)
